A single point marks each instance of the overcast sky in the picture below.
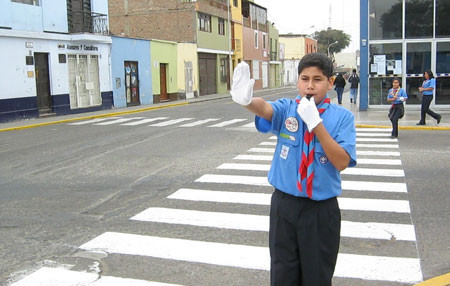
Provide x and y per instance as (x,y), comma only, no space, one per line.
(297,16)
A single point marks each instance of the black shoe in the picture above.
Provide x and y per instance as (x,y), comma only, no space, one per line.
(420,123)
(351,100)
(393,137)
(439,119)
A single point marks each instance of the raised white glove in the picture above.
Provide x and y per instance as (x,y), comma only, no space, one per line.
(308,112)
(242,88)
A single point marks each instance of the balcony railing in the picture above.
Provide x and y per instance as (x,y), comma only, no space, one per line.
(88,22)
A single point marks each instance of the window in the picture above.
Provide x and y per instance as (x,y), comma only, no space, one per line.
(442,19)
(418,57)
(255,69)
(30,2)
(221,26)
(385,19)
(256,39)
(235,3)
(264,41)
(204,22)
(443,57)
(419,19)
(223,70)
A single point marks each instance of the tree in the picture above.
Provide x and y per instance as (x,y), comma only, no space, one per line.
(326,37)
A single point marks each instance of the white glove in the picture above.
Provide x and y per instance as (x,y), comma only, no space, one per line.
(402,99)
(242,89)
(308,112)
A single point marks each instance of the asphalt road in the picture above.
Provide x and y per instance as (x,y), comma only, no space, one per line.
(64,185)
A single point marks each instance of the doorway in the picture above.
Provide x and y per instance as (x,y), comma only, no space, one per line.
(131,83)
(163,96)
(188,71)
(44,101)
(207,64)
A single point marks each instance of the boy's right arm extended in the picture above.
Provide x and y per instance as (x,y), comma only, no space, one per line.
(261,108)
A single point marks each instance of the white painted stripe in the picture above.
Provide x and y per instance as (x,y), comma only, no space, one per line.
(374,186)
(376,140)
(381,268)
(262,150)
(373,134)
(231,179)
(384,146)
(199,122)
(249,167)
(374,172)
(273,138)
(373,130)
(268,143)
(234,255)
(62,277)
(392,162)
(249,125)
(170,122)
(250,222)
(250,257)
(120,120)
(377,153)
(92,121)
(374,205)
(254,157)
(143,121)
(226,123)
(221,197)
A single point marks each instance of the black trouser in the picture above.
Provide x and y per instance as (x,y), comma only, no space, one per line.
(396,114)
(425,109)
(303,239)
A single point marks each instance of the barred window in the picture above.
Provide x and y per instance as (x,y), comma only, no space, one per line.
(204,22)
(221,26)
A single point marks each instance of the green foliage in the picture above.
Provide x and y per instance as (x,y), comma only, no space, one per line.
(326,37)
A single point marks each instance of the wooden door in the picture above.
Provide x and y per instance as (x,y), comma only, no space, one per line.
(131,82)
(163,82)
(42,82)
(208,73)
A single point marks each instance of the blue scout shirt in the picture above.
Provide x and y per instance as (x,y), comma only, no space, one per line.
(427,84)
(289,128)
(401,93)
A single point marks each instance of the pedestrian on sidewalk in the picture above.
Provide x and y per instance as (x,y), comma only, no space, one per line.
(427,89)
(354,81)
(397,96)
(339,82)
(316,140)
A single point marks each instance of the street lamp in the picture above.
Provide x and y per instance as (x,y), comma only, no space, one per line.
(330,46)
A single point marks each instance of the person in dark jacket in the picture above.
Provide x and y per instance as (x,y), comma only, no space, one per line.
(354,81)
(339,82)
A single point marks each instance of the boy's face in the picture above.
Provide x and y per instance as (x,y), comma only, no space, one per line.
(312,81)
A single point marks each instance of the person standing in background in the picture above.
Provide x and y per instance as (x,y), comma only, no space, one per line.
(340,84)
(397,96)
(354,81)
(427,89)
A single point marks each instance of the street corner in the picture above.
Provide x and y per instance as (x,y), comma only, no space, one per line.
(442,280)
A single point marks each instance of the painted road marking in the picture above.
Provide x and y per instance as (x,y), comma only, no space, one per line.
(249,125)
(373,130)
(227,123)
(374,172)
(377,153)
(372,134)
(392,162)
(232,179)
(380,268)
(254,157)
(170,122)
(262,150)
(143,121)
(374,205)
(384,146)
(374,186)
(120,120)
(375,140)
(250,167)
(199,122)
(366,230)
(268,143)
(95,120)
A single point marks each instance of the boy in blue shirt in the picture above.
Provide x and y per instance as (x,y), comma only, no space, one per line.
(316,140)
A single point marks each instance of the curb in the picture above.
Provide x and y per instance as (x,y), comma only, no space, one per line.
(443,280)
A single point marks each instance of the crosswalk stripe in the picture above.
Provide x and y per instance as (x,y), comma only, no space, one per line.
(358,139)
(249,125)
(250,257)
(226,123)
(170,122)
(120,120)
(231,179)
(143,121)
(254,157)
(373,130)
(250,167)
(392,162)
(273,138)
(374,186)
(261,150)
(243,256)
(62,277)
(374,172)
(199,122)
(249,222)
(377,153)
(384,146)
(358,134)
(268,143)
(375,205)
(92,121)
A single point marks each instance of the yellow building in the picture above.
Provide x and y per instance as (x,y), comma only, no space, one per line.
(236,32)
(187,70)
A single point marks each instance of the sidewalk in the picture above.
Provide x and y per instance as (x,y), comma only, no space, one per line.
(374,117)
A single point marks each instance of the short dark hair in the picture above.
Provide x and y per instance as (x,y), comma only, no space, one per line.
(354,70)
(318,60)
(430,74)
(397,79)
